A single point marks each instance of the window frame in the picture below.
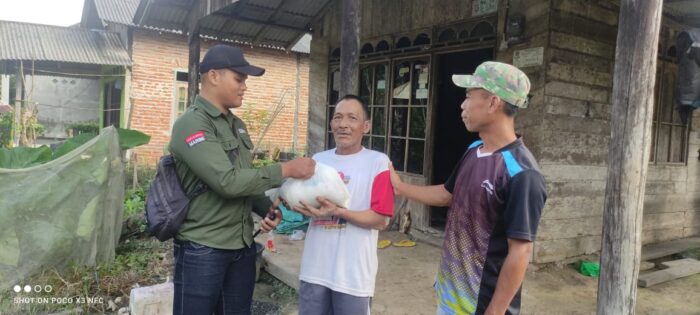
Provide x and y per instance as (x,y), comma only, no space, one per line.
(660,87)
(372,106)
(427,59)
(177,84)
(390,64)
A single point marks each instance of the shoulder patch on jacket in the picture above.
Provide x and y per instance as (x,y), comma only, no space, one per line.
(195,138)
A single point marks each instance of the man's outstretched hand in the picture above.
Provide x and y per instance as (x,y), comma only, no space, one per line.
(301,168)
(326,210)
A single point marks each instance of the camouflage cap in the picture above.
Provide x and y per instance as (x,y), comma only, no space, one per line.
(503,80)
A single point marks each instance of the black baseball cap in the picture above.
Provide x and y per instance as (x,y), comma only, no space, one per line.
(224,56)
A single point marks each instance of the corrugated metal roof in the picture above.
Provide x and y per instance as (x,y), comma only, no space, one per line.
(267,23)
(117,11)
(25,41)
(303,45)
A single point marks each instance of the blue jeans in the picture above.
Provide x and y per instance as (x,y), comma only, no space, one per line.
(213,281)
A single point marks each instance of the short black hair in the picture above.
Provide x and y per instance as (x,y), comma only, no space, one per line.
(353,97)
(509,109)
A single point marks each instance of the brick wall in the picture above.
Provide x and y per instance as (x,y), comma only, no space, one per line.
(156,57)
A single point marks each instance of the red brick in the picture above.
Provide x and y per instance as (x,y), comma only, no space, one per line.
(156,57)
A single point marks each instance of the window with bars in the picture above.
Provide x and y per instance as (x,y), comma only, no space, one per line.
(398,104)
(373,82)
(669,143)
(408,111)
(333,96)
(181,99)
(180,94)
(373,85)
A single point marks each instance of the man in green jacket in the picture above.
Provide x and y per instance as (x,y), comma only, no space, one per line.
(214,248)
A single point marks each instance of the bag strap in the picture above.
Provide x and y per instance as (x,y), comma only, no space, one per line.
(199,189)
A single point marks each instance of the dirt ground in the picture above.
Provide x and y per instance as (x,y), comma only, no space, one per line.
(561,290)
(406,275)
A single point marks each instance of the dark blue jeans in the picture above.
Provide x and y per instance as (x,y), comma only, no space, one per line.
(213,281)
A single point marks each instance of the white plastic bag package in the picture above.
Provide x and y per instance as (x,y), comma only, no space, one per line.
(325,183)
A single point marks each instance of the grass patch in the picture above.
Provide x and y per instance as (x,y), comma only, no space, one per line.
(142,261)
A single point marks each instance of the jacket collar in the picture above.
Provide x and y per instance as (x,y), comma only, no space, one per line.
(207,107)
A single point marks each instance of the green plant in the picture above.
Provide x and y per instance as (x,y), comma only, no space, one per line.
(144,175)
(134,201)
(6,120)
(30,128)
(143,261)
(78,128)
(71,143)
(255,119)
(22,157)
(263,162)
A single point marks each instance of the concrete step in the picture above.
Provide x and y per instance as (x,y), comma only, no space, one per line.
(285,263)
(152,300)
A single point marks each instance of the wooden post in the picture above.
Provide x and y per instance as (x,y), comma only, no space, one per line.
(350,47)
(297,90)
(193,75)
(628,157)
(4,89)
(192,26)
(19,98)
(135,163)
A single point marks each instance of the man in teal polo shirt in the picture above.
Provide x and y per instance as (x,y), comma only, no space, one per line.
(214,249)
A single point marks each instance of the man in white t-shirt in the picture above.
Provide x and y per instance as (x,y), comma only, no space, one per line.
(339,265)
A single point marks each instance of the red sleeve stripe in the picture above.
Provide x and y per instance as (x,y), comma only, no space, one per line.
(383,194)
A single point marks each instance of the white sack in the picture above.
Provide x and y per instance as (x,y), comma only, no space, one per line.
(325,183)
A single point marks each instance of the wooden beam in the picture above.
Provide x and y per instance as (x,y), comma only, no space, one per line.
(628,157)
(674,270)
(193,24)
(19,98)
(668,248)
(350,47)
(321,12)
(193,67)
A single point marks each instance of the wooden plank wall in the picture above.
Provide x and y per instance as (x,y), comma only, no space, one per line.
(574,135)
(392,19)
(575,127)
(567,126)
